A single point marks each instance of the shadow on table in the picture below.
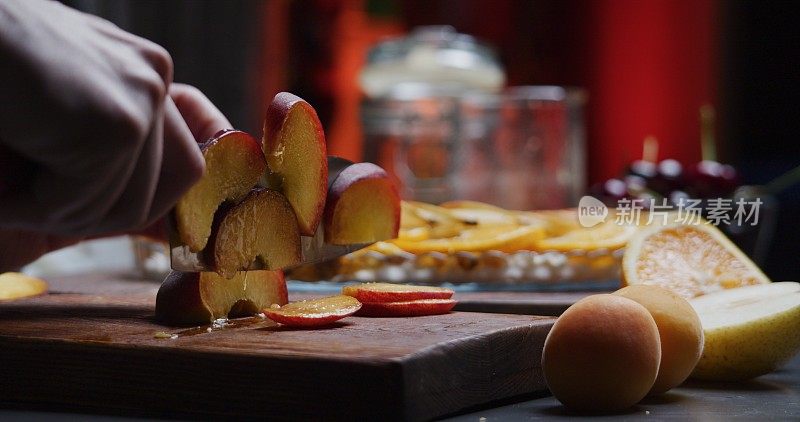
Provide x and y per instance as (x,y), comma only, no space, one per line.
(561,410)
(669,397)
(749,385)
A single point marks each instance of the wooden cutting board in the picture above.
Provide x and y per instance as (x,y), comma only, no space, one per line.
(91,345)
(523,303)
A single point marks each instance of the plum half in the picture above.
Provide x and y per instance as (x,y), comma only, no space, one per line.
(260,232)
(200,298)
(363,206)
(294,146)
(234,164)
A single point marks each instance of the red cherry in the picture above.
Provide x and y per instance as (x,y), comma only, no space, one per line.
(610,191)
(710,179)
(644,169)
(669,177)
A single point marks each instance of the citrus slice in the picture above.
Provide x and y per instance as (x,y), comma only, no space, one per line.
(409,218)
(506,238)
(432,214)
(464,203)
(483,216)
(565,237)
(414,234)
(384,247)
(690,260)
(558,222)
(18,286)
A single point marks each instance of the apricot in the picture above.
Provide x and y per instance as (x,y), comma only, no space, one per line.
(602,354)
(679,329)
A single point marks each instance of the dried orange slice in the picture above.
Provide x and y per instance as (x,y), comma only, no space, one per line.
(18,286)
(690,260)
(484,216)
(383,247)
(414,234)
(558,222)
(409,218)
(464,203)
(506,238)
(431,214)
(607,235)
(474,212)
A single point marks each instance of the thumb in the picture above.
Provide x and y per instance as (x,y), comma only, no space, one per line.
(201,116)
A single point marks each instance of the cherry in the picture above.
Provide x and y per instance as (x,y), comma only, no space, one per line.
(669,177)
(610,191)
(678,197)
(730,179)
(710,179)
(643,168)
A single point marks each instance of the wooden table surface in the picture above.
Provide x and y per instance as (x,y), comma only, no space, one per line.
(774,396)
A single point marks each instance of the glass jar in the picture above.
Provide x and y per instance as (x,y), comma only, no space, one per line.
(437,119)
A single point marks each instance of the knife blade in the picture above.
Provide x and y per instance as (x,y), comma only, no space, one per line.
(313,248)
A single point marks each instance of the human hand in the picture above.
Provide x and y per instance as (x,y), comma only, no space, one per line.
(90,142)
(19,247)
(86,117)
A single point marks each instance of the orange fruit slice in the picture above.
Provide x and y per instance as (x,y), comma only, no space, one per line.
(409,218)
(464,203)
(18,286)
(558,222)
(414,234)
(690,260)
(567,236)
(484,216)
(431,214)
(506,238)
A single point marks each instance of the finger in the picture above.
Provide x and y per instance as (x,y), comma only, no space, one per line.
(182,163)
(159,58)
(18,248)
(132,208)
(156,231)
(200,114)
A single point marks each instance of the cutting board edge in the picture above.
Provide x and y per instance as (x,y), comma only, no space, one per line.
(520,382)
(37,393)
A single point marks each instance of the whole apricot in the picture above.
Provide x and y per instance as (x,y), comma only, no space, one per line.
(679,329)
(602,354)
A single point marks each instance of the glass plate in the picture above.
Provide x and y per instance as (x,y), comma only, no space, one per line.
(491,270)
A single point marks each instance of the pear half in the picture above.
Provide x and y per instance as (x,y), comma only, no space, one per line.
(749,331)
